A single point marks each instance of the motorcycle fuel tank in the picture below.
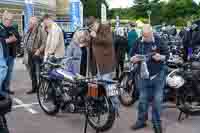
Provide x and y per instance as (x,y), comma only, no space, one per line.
(65,74)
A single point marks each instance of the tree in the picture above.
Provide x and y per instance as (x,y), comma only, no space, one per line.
(89,7)
(93,7)
(140,7)
(176,12)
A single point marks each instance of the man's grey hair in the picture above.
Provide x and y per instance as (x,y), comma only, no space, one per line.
(7,15)
(34,20)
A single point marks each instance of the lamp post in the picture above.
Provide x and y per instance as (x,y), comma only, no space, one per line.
(149,15)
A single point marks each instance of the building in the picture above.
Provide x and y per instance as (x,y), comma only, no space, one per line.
(16,7)
(62,9)
(23,9)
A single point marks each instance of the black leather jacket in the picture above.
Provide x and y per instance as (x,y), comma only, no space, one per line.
(5,32)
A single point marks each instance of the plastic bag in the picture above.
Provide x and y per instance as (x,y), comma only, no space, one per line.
(144,72)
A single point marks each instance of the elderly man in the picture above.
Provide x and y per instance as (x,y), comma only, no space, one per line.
(11,37)
(150,87)
(34,42)
(102,55)
(55,39)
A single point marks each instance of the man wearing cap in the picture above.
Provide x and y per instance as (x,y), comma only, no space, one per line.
(55,39)
(151,87)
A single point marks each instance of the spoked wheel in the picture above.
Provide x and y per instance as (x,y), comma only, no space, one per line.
(47,98)
(104,120)
(188,105)
(128,92)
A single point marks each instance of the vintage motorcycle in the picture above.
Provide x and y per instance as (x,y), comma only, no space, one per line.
(185,80)
(61,89)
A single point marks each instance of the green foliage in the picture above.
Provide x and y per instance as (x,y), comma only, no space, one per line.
(93,7)
(176,12)
(90,7)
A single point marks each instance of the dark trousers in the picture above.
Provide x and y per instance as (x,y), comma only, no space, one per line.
(3,125)
(83,68)
(34,70)
(185,53)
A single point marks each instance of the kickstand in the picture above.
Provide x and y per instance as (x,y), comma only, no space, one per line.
(180,116)
(86,123)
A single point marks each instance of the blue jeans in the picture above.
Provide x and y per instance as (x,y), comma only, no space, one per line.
(6,83)
(151,91)
(3,73)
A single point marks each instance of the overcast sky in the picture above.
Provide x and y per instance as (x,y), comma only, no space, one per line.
(124,3)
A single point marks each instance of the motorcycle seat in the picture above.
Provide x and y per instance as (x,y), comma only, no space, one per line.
(195,65)
(109,81)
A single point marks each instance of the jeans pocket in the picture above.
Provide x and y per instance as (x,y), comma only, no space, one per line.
(3,71)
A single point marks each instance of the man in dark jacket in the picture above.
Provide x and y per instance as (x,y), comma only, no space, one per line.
(12,38)
(121,46)
(151,87)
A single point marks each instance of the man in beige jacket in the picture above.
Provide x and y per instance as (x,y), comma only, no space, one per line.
(34,46)
(55,40)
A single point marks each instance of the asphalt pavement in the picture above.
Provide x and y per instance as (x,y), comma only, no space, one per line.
(27,117)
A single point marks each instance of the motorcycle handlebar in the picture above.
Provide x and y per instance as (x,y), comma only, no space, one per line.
(59,61)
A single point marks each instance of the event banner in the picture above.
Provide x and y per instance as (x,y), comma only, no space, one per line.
(28,12)
(75,15)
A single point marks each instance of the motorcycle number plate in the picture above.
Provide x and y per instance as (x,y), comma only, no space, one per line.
(112,90)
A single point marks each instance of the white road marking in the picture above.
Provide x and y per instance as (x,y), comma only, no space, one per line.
(28,108)
(25,105)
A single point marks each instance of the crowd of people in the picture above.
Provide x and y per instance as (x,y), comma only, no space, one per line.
(100,51)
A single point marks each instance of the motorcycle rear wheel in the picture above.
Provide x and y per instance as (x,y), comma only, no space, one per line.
(94,121)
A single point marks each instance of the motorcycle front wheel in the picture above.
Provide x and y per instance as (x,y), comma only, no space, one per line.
(104,120)
(47,98)
(128,94)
